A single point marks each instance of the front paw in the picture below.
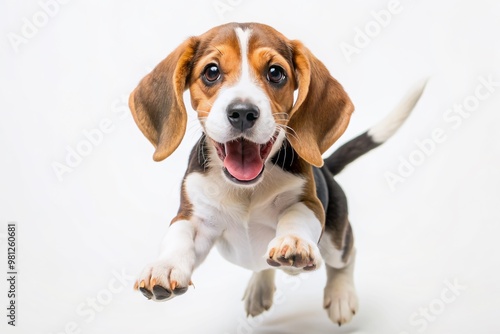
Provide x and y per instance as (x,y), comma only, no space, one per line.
(293,252)
(162,281)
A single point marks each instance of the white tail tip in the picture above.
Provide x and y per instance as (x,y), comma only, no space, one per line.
(390,124)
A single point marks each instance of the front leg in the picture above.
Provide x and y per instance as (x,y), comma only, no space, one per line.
(185,246)
(295,246)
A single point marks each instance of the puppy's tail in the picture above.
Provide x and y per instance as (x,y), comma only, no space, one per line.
(377,135)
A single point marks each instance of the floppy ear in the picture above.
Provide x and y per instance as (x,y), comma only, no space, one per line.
(322,110)
(157,104)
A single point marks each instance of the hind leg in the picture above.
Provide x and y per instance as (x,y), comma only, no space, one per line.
(259,294)
(337,249)
(340,299)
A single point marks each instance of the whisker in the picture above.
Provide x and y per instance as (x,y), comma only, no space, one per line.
(203,160)
(193,128)
(200,150)
(277,159)
(292,133)
(279,151)
(286,143)
(293,156)
(284,149)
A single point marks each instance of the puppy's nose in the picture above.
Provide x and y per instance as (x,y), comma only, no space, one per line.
(242,115)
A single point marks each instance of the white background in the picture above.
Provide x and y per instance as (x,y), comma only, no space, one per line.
(110,213)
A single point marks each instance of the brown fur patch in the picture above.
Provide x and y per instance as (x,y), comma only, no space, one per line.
(268,47)
(322,111)
(309,197)
(186,207)
(157,105)
(220,48)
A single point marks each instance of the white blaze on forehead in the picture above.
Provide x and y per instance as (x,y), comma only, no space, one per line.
(243,38)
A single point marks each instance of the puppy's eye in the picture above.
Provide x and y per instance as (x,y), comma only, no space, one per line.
(276,74)
(211,73)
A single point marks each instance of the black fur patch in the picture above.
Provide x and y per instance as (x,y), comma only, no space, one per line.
(349,152)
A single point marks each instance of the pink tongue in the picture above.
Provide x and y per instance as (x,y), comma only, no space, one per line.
(243,159)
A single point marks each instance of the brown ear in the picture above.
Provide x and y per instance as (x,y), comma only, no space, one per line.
(157,104)
(322,110)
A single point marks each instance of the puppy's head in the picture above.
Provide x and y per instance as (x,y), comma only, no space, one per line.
(242,79)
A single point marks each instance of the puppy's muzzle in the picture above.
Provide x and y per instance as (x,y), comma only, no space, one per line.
(242,115)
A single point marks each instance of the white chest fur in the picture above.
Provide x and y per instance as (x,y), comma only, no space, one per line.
(244,219)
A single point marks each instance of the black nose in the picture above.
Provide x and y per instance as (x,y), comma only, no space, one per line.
(242,115)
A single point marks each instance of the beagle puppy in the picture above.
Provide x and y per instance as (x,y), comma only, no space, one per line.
(256,185)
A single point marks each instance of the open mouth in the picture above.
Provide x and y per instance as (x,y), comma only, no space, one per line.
(244,160)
